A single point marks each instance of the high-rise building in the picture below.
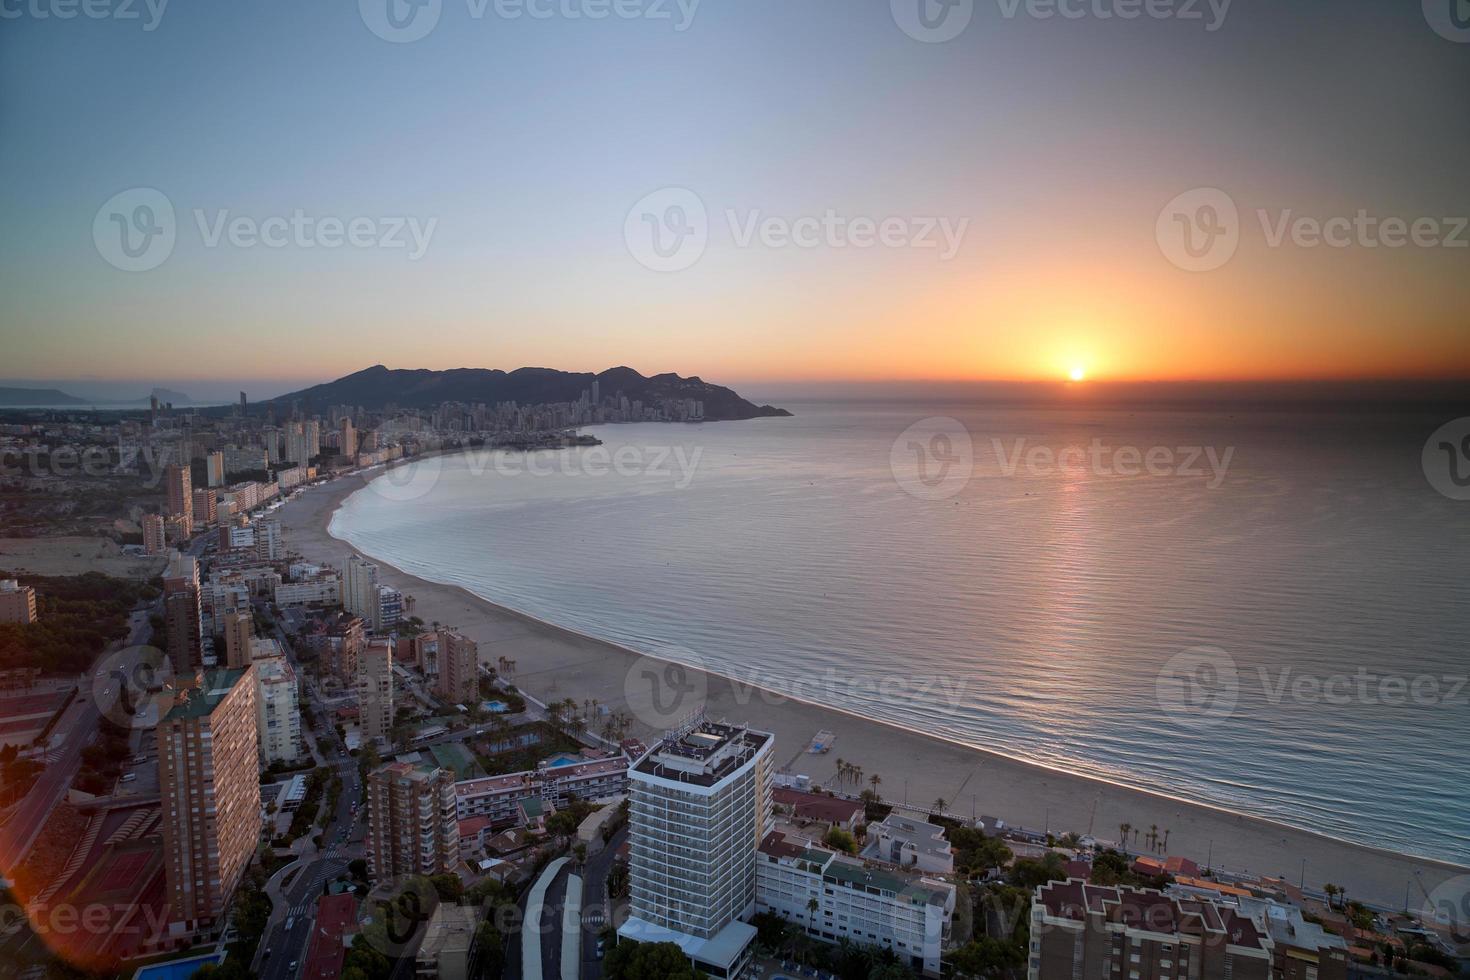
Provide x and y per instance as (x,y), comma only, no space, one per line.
(179,494)
(413,824)
(206,505)
(278,721)
(1092,932)
(347,441)
(209,784)
(214,469)
(459,668)
(239,631)
(360,591)
(375,689)
(390,607)
(182,615)
(155,542)
(700,806)
(17,602)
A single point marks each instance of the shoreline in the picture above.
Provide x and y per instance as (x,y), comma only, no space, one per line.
(555,662)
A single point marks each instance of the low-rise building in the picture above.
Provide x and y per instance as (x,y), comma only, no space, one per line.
(447,951)
(910,843)
(499,797)
(858,901)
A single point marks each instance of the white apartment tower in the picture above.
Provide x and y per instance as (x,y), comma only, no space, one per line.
(360,592)
(700,806)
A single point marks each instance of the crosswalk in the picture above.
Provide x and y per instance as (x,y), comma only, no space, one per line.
(330,867)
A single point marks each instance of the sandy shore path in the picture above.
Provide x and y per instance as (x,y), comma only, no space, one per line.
(554,663)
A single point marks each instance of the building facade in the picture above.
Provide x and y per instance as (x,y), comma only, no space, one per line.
(412,826)
(375,689)
(459,668)
(700,805)
(183,615)
(860,902)
(278,710)
(1091,932)
(360,591)
(209,785)
(17,602)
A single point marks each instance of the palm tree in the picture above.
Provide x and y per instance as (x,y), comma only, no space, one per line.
(1123,829)
(1153,837)
(875,781)
(1166,840)
(939,804)
(1331,891)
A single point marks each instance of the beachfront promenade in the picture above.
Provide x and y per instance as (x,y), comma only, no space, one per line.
(553,663)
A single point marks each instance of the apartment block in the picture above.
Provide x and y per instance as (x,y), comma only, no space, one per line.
(209,787)
(214,469)
(700,805)
(179,495)
(1090,932)
(412,827)
(239,630)
(910,843)
(375,689)
(155,542)
(278,710)
(206,505)
(862,902)
(459,668)
(17,602)
(182,615)
(360,591)
(498,798)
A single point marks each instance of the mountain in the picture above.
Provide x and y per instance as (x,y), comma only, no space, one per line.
(378,386)
(36,398)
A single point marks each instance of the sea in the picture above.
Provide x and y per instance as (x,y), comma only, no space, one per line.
(1259,607)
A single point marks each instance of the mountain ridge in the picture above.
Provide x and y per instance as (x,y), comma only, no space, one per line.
(376,386)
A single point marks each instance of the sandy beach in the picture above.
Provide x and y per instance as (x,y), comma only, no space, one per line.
(554,663)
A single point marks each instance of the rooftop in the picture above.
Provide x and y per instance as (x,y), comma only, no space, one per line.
(703,753)
(1149,910)
(200,701)
(451,929)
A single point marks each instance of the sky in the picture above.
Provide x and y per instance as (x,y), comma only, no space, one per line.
(757,192)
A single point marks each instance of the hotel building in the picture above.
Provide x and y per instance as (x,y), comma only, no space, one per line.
(700,805)
(859,901)
(412,825)
(1091,932)
(498,798)
(209,784)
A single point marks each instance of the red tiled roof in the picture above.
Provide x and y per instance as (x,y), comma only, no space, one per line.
(336,916)
(815,807)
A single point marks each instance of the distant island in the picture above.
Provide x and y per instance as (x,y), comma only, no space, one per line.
(377,387)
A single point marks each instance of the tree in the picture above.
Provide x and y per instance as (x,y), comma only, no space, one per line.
(875,781)
(1030,874)
(648,961)
(448,887)
(840,840)
(939,804)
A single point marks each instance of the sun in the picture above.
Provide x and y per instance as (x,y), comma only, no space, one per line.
(1078,373)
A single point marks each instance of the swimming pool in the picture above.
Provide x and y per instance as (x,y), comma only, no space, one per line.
(563,759)
(177,969)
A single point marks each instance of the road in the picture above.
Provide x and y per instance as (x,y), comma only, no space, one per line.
(76,729)
(282,950)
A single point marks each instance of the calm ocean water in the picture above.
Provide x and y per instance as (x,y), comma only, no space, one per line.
(1288,638)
